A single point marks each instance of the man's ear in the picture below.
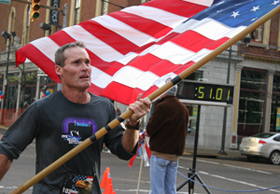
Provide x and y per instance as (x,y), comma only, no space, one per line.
(58,69)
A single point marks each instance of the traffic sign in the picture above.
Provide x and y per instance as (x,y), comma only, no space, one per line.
(5,1)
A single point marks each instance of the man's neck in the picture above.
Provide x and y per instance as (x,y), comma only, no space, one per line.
(79,97)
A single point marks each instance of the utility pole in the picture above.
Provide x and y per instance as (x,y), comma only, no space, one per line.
(59,86)
(5,103)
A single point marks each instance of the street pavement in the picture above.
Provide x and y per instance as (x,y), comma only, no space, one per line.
(201,152)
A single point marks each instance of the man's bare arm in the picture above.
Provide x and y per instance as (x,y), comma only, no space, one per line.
(140,108)
(130,139)
(5,164)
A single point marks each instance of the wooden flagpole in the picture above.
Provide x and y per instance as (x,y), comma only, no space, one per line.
(141,166)
(151,97)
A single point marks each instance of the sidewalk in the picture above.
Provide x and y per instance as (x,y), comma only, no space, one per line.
(215,153)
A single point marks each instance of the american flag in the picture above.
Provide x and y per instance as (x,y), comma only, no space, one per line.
(143,144)
(136,49)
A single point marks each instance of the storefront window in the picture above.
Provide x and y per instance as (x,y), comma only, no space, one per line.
(251,102)
(253,80)
(46,80)
(12,90)
(1,82)
(47,86)
(30,78)
(275,106)
(27,96)
(13,77)
(29,81)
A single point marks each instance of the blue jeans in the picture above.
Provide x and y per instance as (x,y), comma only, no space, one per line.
(163,175)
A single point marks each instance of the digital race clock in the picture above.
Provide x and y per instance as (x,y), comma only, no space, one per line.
(204,91)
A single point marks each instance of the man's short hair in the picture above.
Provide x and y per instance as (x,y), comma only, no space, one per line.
(59,54)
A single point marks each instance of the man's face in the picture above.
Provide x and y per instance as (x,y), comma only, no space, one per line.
(76,72)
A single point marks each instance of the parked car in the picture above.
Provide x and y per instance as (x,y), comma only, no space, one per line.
(261,145)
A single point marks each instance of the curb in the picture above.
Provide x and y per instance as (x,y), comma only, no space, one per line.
(235,156)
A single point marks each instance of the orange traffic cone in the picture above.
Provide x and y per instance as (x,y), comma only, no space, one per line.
(104,178)
(109,187)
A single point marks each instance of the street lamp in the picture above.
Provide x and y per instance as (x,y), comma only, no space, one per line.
(7,36)
(45,27)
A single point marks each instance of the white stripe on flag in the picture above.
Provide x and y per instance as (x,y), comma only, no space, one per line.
(124,30)
(128,57)
(201,2)
(100,78)
(96,46)
(41,43)
(130,77)
(209,28)
(166,18)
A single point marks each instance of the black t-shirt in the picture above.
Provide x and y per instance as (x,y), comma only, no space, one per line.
(58,125)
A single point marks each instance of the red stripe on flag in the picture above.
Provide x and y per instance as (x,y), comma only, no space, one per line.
(43,62)
(131,161)
(57,38)
(153,28)
(157,66)
(107,67)
(148,150)
(95,89)
(109,37)
(20,58)
(113,89)
(177,7)
(197,42)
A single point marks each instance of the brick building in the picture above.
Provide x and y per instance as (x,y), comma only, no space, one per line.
(25,83)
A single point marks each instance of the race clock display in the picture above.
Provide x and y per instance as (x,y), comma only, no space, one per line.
(204,91)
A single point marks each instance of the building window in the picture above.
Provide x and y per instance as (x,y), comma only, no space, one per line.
(104,8)
(12,22)
(77,12)
(259,34)
(251,102)
(26,25)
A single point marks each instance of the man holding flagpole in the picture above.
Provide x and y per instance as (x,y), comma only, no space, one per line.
(65,119)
